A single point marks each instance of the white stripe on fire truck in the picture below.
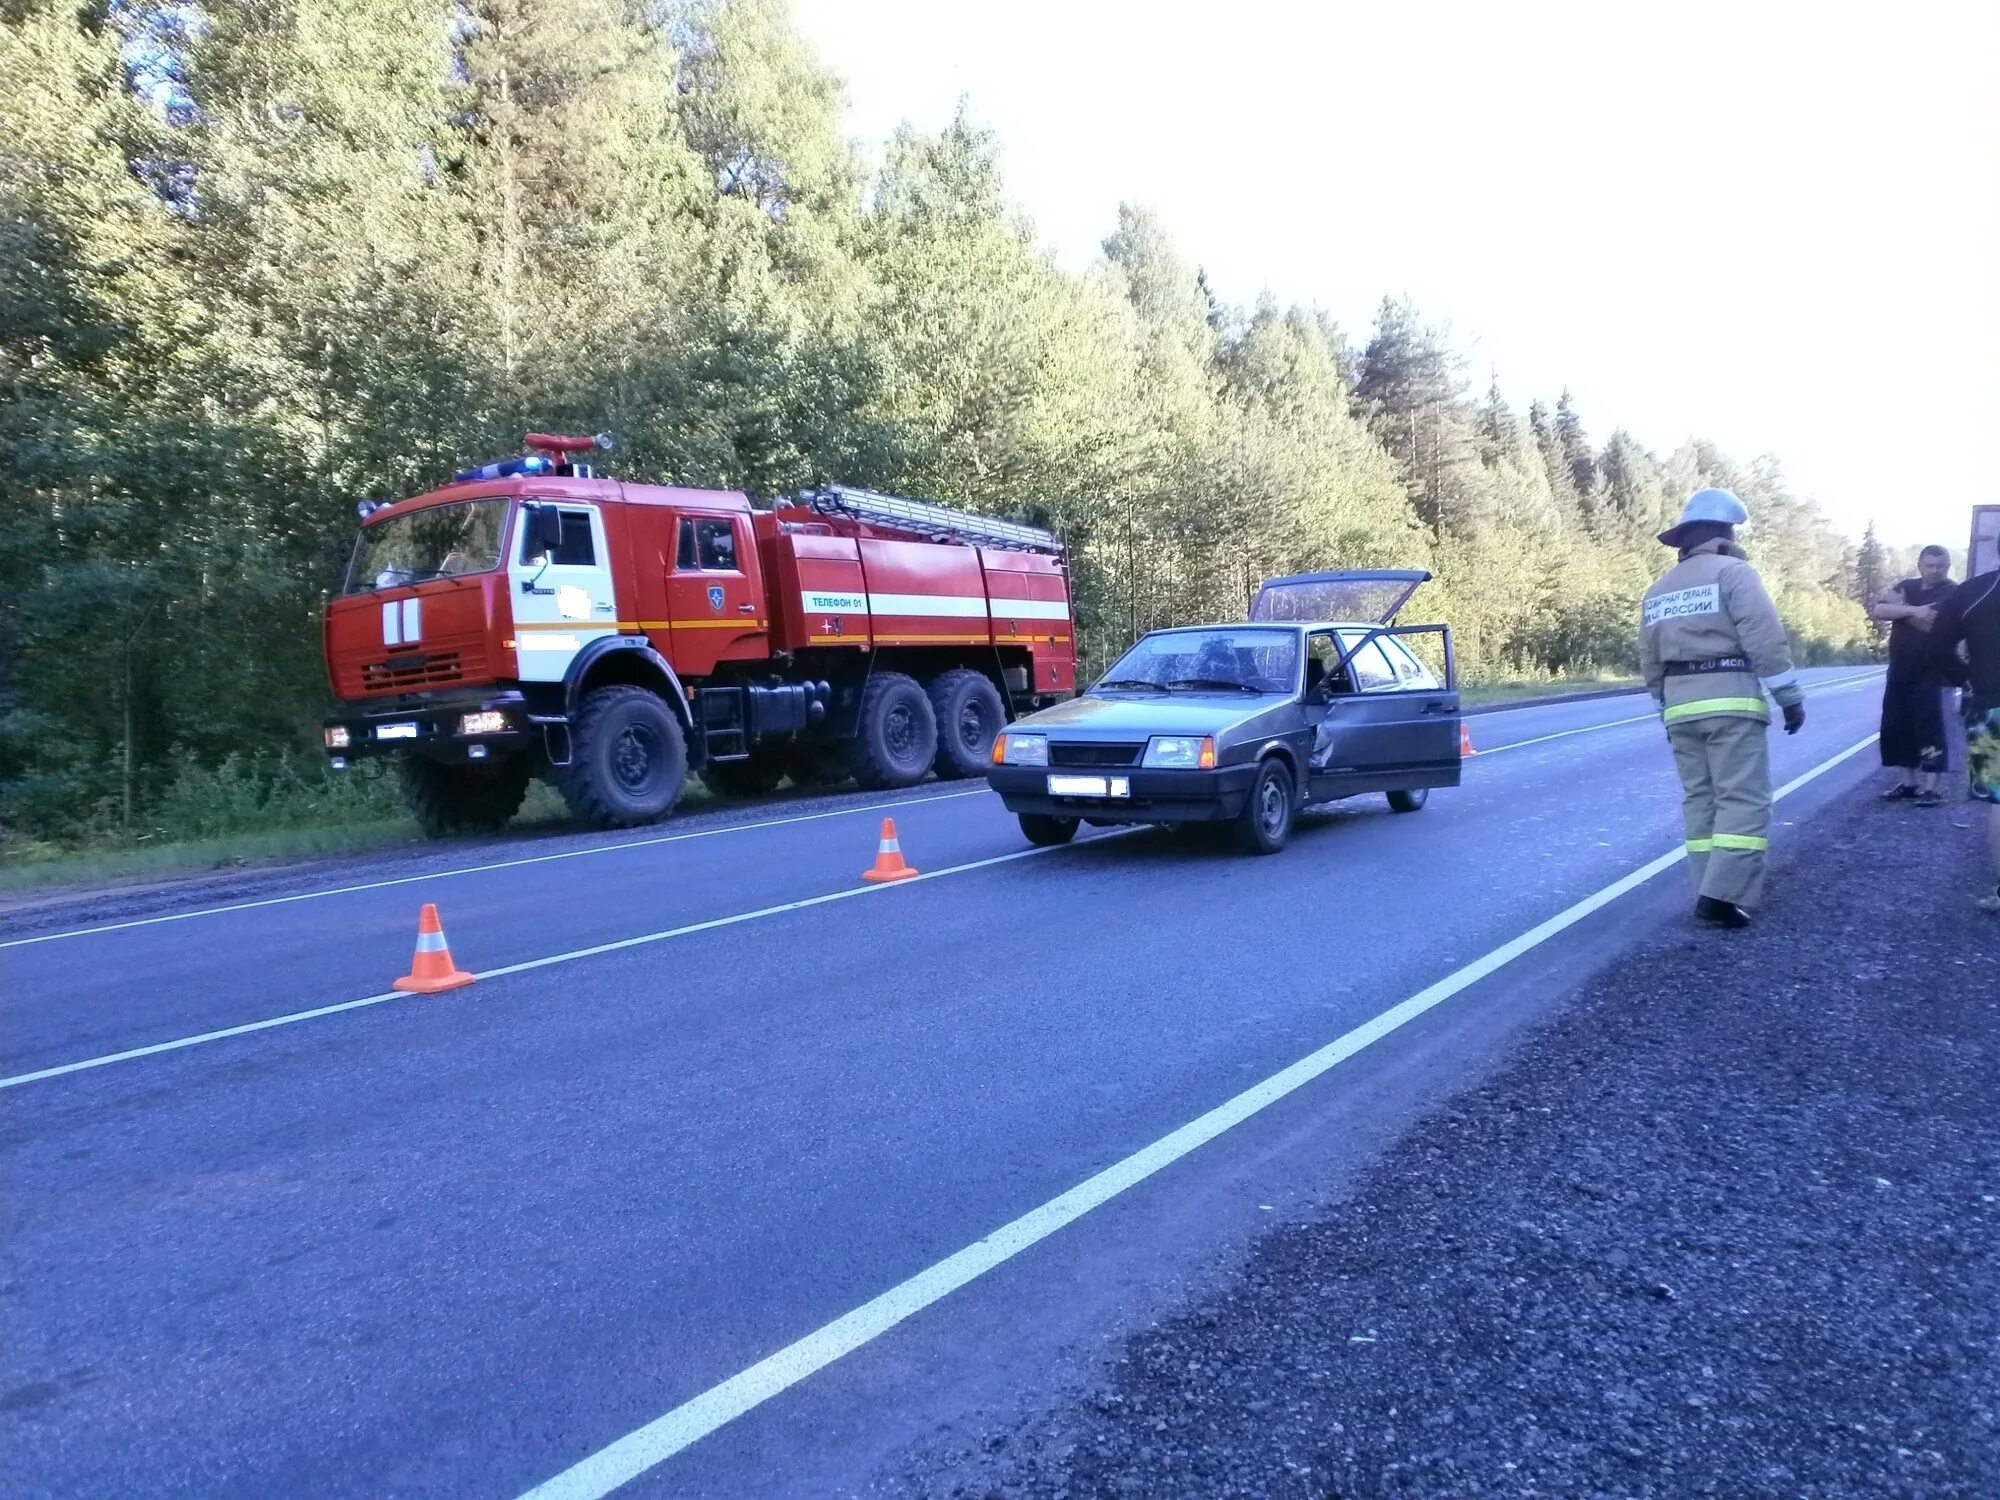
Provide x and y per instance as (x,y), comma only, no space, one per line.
(953,606)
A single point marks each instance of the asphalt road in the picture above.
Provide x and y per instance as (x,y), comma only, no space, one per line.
(554,1227)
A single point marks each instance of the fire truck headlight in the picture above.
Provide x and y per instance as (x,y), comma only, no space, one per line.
(1027,749)
(490,721)
(336,737)
(1178,752)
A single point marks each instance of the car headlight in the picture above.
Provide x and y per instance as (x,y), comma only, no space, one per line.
(490,721)
(1180,752)
(336,737)
(1022,750)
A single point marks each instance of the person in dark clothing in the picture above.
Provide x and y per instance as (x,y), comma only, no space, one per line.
(1913,742)
(1967,627)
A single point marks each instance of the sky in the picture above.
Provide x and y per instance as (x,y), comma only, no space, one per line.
(1773,225)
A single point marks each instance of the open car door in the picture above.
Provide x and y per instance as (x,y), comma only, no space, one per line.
(1367,595)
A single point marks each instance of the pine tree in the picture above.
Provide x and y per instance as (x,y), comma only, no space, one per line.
(1576,452)
(1555,464)
(1411,391)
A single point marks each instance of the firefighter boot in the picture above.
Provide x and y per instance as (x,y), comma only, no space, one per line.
(1720,913)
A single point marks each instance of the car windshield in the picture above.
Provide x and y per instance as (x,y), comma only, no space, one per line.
(1234,660)
(439,541)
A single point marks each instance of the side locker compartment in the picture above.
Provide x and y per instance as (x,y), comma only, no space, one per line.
(816,593)
(1028,596)
(923,594)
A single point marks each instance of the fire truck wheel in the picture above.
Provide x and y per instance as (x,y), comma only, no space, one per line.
(474,798)
(812,766)
(1042,829)
(969,714)
(755,777)
(628,759)
(897,737)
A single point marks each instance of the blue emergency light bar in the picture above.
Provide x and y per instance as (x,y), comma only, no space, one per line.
(507,468)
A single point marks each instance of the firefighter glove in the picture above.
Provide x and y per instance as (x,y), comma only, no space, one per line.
(1795,717)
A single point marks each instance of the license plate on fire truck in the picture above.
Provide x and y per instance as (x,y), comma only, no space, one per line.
(395,731)
(1090,786)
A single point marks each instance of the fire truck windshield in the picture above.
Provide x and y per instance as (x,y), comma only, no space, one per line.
(439,541)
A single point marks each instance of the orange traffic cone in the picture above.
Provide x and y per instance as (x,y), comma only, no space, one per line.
(431,970)
(1465,740)
(889,858)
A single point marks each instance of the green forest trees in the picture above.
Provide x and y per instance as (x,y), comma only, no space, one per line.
(259,262)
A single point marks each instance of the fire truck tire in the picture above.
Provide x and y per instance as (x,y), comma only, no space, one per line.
(812,766)
(969,714)
(472,798)
(628,759)
(896,740)
(755,777)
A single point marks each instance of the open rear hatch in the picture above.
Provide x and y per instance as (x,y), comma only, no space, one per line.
(1357,597)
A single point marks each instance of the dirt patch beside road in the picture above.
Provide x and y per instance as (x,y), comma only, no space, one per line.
(1729,1225)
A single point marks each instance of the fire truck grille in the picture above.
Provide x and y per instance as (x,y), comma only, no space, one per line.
(1079,754)
(410,673)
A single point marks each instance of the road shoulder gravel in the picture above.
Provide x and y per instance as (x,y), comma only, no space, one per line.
(1724,1225)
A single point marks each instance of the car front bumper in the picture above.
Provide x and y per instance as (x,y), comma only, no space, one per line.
(1156,796)
(430,728)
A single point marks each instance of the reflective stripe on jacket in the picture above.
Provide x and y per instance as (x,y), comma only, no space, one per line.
(1712,604)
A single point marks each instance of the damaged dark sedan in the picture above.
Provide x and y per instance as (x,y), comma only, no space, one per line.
(1318,697)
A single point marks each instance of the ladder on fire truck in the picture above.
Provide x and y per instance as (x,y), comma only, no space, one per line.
(937,523)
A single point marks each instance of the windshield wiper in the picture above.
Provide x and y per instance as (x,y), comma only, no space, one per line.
(1211,682)
(1134,682)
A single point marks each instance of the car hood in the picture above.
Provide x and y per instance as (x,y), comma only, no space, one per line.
(1147,714)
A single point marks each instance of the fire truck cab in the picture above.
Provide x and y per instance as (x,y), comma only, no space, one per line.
(531,618)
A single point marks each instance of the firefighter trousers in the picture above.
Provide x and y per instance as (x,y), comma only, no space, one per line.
(1725,766)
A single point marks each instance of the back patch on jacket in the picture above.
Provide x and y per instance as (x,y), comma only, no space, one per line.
(1704,599)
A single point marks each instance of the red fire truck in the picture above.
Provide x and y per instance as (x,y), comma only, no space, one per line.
(531,618)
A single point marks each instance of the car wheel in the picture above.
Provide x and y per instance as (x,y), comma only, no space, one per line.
(1411,800)
(1265,823)
(1047,831)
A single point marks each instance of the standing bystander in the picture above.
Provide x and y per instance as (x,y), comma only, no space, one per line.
(1913,741)
(1970,617)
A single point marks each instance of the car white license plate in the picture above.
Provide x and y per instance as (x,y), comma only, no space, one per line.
(395,731)
(1090,786)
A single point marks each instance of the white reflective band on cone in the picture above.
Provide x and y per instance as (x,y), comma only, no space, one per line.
(430,942)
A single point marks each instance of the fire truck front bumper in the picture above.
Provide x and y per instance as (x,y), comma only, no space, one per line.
(1125,796)
(453,730)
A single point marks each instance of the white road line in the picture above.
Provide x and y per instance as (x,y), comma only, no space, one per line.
(636,1452)
(574,954)
(505,864)
(698,833)
(1820,689)
(1820,684)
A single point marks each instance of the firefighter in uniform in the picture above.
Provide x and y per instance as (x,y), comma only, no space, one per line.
(1711,646)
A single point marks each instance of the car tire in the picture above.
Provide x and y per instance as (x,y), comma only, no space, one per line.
(896,740)
(969,715)
(628,759)
(1048,831)
(1409,801)
(1265,824)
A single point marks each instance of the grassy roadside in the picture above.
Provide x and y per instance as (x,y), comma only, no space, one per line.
(281,842)
(1479,694)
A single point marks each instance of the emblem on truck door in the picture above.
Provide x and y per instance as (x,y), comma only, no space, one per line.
(715,596)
